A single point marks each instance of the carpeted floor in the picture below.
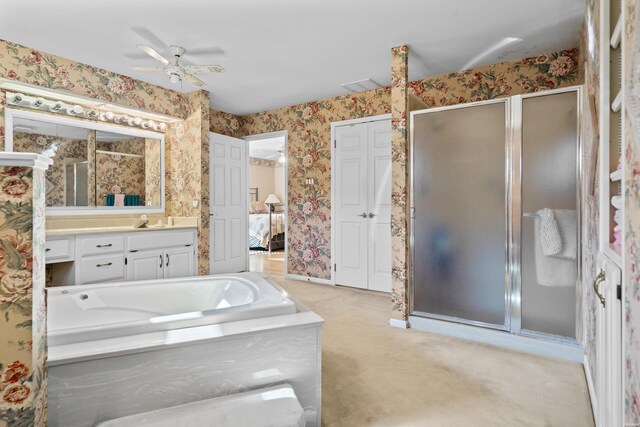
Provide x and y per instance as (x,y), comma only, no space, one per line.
(376,375)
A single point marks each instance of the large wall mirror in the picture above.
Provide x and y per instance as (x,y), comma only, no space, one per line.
(97,168)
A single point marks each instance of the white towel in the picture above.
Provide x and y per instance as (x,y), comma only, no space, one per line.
(554,270)
(568,225)
(549,234)
(118,200)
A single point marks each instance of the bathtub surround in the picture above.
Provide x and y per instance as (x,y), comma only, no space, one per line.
(23,349)
(254,346)
(399,146)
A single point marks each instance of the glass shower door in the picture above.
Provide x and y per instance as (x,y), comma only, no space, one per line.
(459,221)
(549,181)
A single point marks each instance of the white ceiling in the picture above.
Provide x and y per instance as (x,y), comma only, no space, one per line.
(266,148)
(282,52)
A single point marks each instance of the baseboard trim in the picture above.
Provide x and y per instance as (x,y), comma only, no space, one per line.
(557,350)
(591,388)
(308,279)
(397,323)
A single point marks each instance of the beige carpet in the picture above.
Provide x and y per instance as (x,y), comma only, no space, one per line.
(376,375)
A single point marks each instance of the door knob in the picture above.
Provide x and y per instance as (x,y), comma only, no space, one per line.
(363,215)
(599,279)
(212,214)
(371,214)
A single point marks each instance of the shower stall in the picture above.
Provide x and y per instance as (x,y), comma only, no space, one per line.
(487,181)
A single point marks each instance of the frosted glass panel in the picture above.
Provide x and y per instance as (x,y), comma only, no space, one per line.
(460,226)
(549,152)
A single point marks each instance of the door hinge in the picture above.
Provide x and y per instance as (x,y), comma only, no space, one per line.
(335,267)
(125,261)
(335,144)
(619,292)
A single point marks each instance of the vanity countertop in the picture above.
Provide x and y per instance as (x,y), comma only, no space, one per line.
(115,229)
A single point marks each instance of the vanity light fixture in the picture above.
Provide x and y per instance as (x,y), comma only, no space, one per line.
(75,110)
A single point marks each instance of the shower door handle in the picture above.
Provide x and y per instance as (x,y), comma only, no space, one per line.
(599,279)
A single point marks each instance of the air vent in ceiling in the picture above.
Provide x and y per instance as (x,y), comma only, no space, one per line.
(361,85)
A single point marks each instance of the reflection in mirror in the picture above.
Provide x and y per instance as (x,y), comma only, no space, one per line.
(66,179)
(94,168)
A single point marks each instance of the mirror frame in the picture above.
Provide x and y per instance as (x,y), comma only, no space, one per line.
(11,113)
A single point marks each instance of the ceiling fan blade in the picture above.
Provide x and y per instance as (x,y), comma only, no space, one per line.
(199,69)
(194,80)
(206,51)
(148,35)
(154,54)
(148,68)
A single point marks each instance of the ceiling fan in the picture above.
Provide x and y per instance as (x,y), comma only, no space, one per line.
(279,155)
(174,69)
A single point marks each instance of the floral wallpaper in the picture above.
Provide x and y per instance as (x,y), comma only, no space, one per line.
(399,167)
(152,172)
(117,174)
(309,127)
(225,123)
(56,148)
(257,161)
(22,300)
(631,274)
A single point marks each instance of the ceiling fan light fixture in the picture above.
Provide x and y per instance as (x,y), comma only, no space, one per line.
(174,78)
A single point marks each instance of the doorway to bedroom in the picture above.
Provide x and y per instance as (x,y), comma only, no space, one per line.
(267,197)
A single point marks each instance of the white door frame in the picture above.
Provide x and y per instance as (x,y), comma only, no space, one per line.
(334,125)
(267,135)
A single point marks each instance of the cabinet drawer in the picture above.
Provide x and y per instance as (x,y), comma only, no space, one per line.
(102,245)
(158,240)
(103,268)
(58,249)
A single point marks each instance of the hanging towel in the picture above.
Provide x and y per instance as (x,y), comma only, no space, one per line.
(568,227)
(119,200)
(110,200)
(132,200)
(558,270)
(549,234)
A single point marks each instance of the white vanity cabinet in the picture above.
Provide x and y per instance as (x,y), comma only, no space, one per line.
(161,264)
(119,256)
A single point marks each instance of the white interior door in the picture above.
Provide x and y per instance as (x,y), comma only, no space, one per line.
(228,204)
(351,221)
(379,212)
(608,346)
(363,205)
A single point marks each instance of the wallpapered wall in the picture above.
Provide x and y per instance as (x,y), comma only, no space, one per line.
(23,388)
(309,127)
(632,222)
(120,174)
(186,142)
(65,148)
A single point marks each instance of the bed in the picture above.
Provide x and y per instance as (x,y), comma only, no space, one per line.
(267,230)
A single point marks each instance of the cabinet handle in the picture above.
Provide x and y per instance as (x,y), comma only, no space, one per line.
(167,265)
(104,265)
(160,260)
(599,279)
(47,250)
(104,246)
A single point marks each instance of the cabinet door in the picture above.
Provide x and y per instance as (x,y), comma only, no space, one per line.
(179,262)
(145,265)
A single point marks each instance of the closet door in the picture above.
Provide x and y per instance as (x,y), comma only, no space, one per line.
(363,205)
(379,212)
(352,206)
